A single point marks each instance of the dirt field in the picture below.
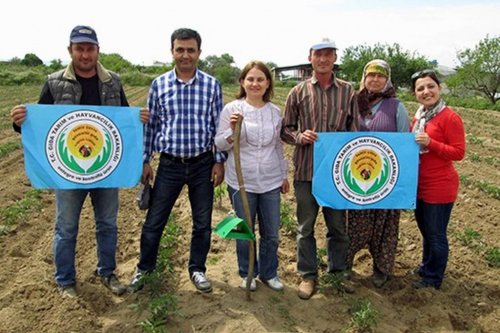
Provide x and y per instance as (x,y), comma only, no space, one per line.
(469,300)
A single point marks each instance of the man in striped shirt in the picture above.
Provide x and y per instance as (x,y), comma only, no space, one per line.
(321,103)
(185,104)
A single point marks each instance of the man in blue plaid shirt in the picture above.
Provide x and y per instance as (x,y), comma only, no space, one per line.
(185,104)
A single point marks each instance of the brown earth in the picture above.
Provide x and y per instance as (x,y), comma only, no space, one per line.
(468,301)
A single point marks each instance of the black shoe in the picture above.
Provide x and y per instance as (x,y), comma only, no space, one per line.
(379,279)
(422,284)
(112,283)
(418,271)
(137,282)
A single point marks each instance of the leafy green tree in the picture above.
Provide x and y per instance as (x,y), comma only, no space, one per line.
(15,61)
(31,60)
(403,63)
(271,64)
(222,68)
(115,62)
(56,64)
(480,68)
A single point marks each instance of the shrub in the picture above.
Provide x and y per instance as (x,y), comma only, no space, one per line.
(137,79)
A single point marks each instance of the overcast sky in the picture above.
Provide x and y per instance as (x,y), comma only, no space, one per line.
(267,30)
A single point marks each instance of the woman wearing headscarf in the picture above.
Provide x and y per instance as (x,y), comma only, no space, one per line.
(441,136)
(377,229)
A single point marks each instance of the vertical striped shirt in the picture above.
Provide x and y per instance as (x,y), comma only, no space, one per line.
(309,106)
(183,116)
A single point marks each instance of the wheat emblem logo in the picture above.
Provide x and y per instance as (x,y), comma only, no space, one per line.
(84,146)
(365,170)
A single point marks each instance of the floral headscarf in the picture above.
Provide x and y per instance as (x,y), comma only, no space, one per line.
(367,98)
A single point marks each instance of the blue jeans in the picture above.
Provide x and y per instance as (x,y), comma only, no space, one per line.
(266,206)
(432,220)
(68,207)
(171,177)
(337,239)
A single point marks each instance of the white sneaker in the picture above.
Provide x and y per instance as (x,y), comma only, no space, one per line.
(253,284)
(137,282)
(274,283)
(201,282)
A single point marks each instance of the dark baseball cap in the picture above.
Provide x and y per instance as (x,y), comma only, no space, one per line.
(83,34)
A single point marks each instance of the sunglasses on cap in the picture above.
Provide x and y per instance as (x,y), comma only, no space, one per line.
(420,74)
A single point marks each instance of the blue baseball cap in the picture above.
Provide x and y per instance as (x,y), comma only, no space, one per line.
(326,43)
(83,34)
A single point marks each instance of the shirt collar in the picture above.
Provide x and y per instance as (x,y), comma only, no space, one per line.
(314,80)
(191,81)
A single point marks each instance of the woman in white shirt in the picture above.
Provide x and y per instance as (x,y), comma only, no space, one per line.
(264,168)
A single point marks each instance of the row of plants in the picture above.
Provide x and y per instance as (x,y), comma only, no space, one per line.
(14,214)
(470,102)
(473,240)
(162,301)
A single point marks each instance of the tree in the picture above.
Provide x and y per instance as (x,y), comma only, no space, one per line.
(221,67)
(403,63)
(56,64)
(115,62)
(15,61)
(271,65)
(31,60)
(480,68)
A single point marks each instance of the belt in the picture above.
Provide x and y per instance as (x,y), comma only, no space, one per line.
(185,160)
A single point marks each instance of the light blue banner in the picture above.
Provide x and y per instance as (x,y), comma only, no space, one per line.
(363,170)
(82,146)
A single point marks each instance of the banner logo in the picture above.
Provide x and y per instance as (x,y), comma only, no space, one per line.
(365,170)
(83,146)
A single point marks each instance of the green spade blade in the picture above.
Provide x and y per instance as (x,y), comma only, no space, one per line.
(234,228)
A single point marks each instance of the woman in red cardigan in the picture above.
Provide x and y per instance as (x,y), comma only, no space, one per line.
(441,136)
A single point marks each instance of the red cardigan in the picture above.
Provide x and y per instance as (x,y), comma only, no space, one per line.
(437,178)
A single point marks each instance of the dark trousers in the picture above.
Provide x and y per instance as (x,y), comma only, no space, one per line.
(171,177)
(432,220)
(336,238)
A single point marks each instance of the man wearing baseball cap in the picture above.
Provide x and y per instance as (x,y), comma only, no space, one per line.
(83,34)
(322,103)
(83,82)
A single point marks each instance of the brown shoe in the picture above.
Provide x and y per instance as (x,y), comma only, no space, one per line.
(306,289)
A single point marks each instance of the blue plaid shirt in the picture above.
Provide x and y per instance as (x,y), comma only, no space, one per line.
(183,116)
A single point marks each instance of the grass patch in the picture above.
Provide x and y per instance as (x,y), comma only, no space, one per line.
(9,147)
(19,210)
(364,317)
(219,193)
(329,282)
(321,254)
(490,189)
(492,160)
(290,322)
(468,237)
(474,157)
(212,260)
(287,218)
(472,239)
(492,256)
(472,139)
